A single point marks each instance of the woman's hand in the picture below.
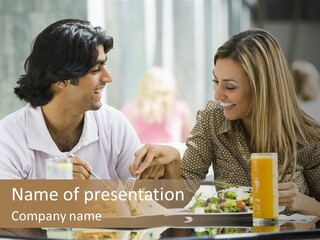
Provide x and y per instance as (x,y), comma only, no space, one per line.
(289,196)
(153,172)
(294,200)
(151,161)
(81,169)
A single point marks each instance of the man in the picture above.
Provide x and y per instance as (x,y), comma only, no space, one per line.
(63,84)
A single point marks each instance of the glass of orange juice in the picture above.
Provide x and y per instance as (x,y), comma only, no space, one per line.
(269,228)
(264,177)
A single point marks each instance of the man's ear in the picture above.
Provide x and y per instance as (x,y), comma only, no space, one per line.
(62,84)
(59,86)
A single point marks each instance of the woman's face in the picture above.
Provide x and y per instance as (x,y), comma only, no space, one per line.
(232,89)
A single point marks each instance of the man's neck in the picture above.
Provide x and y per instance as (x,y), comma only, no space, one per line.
(65,127)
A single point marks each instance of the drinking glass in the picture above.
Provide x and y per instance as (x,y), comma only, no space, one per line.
(264,177)
(59,168)
(268,228)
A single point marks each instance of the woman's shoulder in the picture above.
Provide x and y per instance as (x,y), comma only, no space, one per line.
(212,115)
(213,110)
(311,139)
(316,133)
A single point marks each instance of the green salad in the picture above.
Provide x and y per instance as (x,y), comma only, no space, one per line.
(230,200)
(220,230)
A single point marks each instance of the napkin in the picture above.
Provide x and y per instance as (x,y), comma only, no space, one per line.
(296,217)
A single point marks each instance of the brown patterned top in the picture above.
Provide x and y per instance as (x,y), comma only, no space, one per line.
(209,143)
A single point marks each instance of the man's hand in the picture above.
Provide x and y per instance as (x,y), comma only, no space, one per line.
(81,169)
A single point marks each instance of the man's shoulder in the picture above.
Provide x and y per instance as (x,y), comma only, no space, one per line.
(14,117)
(14,124)
(113,122)
(107,114)
(107,110)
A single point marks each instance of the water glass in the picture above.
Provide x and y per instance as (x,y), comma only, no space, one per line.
(59,168)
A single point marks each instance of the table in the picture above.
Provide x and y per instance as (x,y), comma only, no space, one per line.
(181,226)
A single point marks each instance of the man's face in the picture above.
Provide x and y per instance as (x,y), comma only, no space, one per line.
(232,89)
(88,93)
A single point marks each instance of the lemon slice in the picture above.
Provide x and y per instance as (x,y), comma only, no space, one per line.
(64,165)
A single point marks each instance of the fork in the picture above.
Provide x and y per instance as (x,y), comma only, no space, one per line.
(130,183)
(99,178)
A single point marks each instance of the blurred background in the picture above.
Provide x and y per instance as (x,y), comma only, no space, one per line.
(180,35)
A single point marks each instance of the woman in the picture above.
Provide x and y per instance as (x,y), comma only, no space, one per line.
(307,82)
(157,114)
(255,110)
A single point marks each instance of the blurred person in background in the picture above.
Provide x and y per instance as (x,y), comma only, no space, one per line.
(65,75)
(255,110)
(307,81)
(157,114)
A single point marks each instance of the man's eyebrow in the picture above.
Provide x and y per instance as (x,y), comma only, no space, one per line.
(100,61)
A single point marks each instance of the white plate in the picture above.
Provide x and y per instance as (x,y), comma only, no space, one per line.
(183,211)
(132,216)
(281,208)
(186,211)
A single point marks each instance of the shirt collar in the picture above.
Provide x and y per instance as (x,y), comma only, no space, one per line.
(300,140)
(38,136)
(226,126)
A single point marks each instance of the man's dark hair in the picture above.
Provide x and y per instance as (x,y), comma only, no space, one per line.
(66,49)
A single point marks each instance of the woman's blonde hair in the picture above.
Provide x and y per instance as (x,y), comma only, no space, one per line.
(157,90)
(277,120)
(307,80)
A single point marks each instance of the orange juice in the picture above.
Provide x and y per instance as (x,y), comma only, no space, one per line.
(272,228)
(264,177)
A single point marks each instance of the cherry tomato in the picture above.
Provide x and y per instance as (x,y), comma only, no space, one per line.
(240,203)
